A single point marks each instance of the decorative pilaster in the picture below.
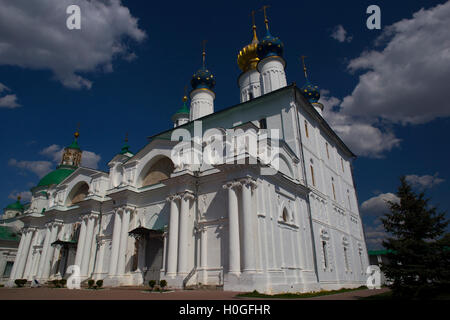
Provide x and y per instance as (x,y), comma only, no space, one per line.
(115,243)
(183,237)
(44,251)
(28,233)
(30,254)
(80,243)
(173,236)
(50,250)
(88,245)
(101,254)
(203,247)
(248,235)
(233,229)
(123,241)
(17,260)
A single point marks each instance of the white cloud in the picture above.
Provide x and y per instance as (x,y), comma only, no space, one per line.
(24,195)
(53,151)
(90,159)
(40,168)
(340,34)
(377,206)
(375,235)
(363,138)
(406,81)
(9,100)
(425,181)
(34,35)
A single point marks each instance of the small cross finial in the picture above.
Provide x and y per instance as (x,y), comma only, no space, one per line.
(126,137)
(77,134)
(204,52)
(255,38)
(266,21)
(185,93)
(304,66)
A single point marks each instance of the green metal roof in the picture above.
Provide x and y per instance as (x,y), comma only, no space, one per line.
(125,149)
(378,252)
(55,177)
(7,233)
(15,206)
(183,110)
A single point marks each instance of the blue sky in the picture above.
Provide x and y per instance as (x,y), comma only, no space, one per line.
(125,72)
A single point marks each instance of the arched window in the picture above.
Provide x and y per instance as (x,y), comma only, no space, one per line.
(80,193)
(285,215)
(160,170)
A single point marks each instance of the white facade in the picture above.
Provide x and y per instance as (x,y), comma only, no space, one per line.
(225,224)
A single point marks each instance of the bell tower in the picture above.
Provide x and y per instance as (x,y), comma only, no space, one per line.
(72,154)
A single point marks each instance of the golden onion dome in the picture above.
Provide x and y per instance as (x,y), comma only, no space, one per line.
(247,58)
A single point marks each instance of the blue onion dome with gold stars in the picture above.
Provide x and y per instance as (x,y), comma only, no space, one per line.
(203,79)
(311,92)
(269,46)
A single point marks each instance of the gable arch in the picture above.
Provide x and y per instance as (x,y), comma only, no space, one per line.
(78,193)
(285,166)
(155,170)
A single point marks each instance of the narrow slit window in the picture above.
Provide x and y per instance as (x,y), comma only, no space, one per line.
(347,266)
(342,165)
(334,191)
(328,154)
(306,129)
(312,176)
(325,257)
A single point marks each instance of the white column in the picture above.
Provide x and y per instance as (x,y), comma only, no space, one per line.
(115,244)
(17,260)
(30,256)
(87,246)
(248,230)
(37,257)
(164,251)
(57,250)
(183,237)
(40,270)
(234,250)
(123,241)
(173,237)
(50,249)
(80,242)
(203,247)
(101,256)
(24,254)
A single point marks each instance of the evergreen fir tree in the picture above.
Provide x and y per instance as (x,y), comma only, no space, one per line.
(417,249)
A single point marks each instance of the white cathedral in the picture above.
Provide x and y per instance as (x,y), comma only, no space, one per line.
(223,224)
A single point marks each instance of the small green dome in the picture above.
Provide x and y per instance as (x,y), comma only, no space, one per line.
(184,109)
(74,145)
(55,177)
(17,206)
